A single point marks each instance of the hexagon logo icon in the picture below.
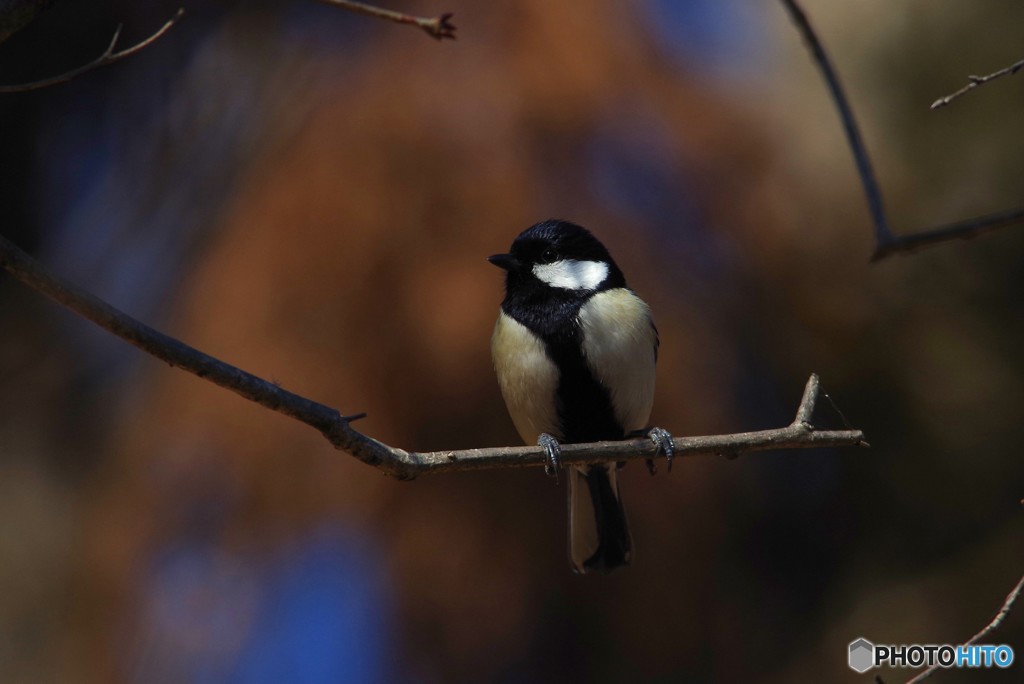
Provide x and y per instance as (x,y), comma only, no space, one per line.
(862,655)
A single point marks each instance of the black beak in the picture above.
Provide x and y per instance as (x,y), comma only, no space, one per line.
(505,261)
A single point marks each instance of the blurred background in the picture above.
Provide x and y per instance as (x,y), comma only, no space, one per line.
(310,194)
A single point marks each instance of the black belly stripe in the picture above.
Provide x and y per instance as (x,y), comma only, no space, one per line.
(585,411)
(584,404)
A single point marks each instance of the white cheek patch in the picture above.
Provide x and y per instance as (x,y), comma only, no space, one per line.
(570,274)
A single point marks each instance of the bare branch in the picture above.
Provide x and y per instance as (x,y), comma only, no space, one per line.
(976,81)
(323,418)
(886,243)
(108,57)
(853,137)
(1004,610)
(436,27)
(962,230)
(800,434)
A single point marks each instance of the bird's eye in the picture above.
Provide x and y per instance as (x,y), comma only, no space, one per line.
(549,256)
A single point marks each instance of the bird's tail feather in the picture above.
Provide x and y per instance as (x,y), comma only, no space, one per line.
(599,539)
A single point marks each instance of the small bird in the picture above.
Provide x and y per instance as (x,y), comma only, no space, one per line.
(574,350)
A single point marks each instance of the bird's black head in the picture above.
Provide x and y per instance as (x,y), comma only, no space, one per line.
(557,259)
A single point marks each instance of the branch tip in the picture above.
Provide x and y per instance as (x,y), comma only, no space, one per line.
(805,411)
(974,81)
(437,27)
(440,27)
(113,41)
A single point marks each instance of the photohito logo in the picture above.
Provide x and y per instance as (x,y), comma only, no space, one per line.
(864,655)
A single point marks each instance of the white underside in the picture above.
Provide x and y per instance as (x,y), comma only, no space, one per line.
(619,344)
(619,347)
(527,377)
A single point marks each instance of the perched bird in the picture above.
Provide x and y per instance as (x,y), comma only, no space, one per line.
(574,351)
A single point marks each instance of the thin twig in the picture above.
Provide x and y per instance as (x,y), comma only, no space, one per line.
(853,137)
(976,81)
(1004,610)
(108,57)
(886,243)
(437,27)
(397,462)
(962,230)
(805,411)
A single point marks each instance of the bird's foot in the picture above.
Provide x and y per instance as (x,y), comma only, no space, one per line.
(666,445)
(554,452)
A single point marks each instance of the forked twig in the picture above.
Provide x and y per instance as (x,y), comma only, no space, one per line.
(886,243)
(108,57)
